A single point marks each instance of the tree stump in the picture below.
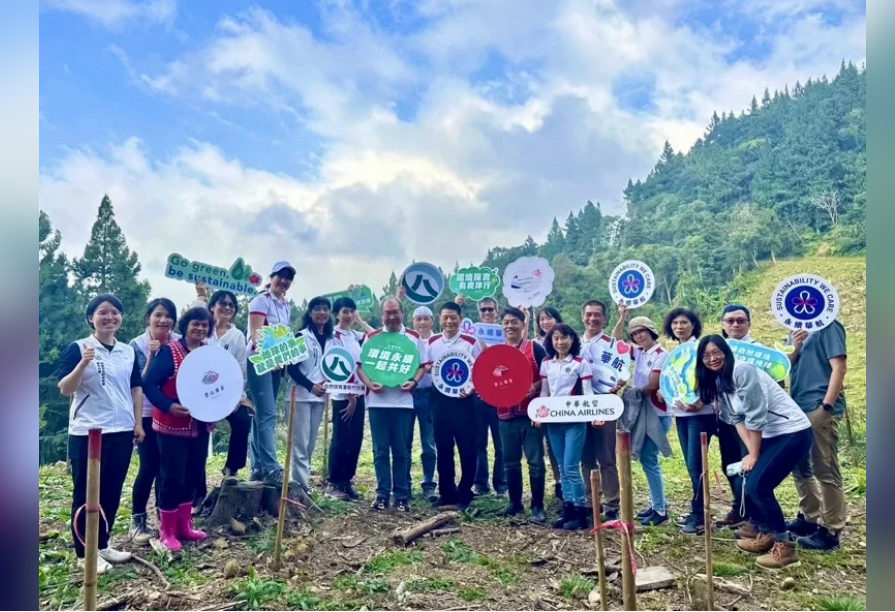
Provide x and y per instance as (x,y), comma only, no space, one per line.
(242,502)
(270,502)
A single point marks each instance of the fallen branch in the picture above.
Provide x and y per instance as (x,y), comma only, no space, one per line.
(726,585)
(408,536)
(440,533)
(155,570)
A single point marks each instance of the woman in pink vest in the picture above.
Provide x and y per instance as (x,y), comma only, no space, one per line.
(182,440)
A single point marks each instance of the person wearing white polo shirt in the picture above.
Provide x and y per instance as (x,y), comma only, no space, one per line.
(104,379)
(454,415)
(270,308)
(391,416)
(423,324)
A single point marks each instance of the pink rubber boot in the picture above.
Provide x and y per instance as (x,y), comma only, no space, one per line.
(168,530)
(185,529)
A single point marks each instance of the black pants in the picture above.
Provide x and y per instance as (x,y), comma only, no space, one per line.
(348,439)
(114,462)
(182,465)
(779,457)
(455,426)
(148,473)
(733,450)
(487,425)
(237,452)
(689,432)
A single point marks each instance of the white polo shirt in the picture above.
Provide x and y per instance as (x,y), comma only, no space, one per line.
(395,397)
(586,342)
(562,376)
(274,311)
(439,344)
(104,400)
(647,363)
(349,340)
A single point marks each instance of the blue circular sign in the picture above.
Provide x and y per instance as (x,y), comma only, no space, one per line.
(455,373)
(631,284)
(423,283)
(805,303)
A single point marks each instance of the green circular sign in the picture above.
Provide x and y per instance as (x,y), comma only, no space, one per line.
(338,366)
(390,359)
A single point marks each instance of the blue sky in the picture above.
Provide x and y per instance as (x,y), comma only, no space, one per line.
(290,129)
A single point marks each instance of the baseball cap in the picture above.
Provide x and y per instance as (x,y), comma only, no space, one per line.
(282,266)
(423,311)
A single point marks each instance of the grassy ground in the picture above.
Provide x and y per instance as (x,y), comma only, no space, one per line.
(345,560)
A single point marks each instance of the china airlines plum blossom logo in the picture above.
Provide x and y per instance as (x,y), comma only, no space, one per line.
(543,412)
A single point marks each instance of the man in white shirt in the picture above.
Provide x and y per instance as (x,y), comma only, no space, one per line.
(487,424)
(423,324)
(454,415)
(599,446)
(391,416)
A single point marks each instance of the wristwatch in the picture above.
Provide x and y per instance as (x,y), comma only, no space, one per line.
(827,407)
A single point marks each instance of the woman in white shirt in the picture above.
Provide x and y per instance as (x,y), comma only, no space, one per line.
(102,376)
(776,432)
(564,373)
(271,307)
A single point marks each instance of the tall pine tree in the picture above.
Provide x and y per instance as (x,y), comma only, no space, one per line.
(109,266)
(556,242)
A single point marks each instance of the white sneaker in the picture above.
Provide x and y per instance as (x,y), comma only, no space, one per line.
(115,557)
(102,566)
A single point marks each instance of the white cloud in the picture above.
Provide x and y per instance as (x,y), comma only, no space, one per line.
(484,160)
(115,13)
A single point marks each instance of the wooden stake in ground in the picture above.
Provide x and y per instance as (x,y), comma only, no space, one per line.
(326,416)
(287,476)
(91,545)
(596,488)
(629,587)
(707,494)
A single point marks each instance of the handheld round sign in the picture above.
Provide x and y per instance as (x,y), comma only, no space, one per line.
(423,283)
(209,384)
(528,282)
(577,409)
(632,283)
(610,363)
(678,379)
(390,359)
(452,374)
(338,365)
(502,376)
(805,302)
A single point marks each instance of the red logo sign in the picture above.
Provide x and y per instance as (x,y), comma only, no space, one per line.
(543,412)
(502,376)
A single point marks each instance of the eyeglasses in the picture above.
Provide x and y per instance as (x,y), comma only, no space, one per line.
(227,305)
(487,310)
(736,321)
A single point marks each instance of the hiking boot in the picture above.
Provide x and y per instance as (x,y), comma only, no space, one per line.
(579,519)
(139,532)
(802,527)
(749,531)
(275,479)
(230,479)
(115,557)
(733,520)
(512,510)
(568,514)
(102,566)
(350,491)
(538,516)
(822,541)
(430,492)
(656,520)
(783,555)
(695,526)
(759,546)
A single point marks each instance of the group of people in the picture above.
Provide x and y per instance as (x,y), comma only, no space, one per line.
(129,391)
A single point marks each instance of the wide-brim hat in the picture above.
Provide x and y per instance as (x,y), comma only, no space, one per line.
(639,323)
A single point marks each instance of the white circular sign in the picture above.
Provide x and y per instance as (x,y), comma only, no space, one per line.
(632,283)
(528,282)
(805,302)
(209,384)
(452,373)
(338,365)
(423,283)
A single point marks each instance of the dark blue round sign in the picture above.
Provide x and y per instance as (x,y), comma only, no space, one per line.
(805,303)
(631,284)
(455,373)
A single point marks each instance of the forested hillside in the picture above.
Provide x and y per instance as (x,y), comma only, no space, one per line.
(785,178)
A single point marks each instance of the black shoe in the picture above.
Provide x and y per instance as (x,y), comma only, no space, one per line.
(441,502)
(403,506)
(612,515)
(802,527)
(380,505)
(352,494)
(579,519)
(568,514)
(512,510)
(656,520)
(695,526)
(645,514)
(821,541)
(538,516)
(230,478)
(465,506)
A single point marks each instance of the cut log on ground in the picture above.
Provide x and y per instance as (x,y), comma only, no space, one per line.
(241,502)
(408,536)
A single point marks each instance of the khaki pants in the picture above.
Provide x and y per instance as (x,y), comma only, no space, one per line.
(819,477)
(599,451)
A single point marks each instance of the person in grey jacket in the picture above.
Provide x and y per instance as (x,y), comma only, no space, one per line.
(776,432)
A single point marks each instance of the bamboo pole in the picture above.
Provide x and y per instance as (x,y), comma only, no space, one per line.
(707,495)
(327,411)
(287,476)
(629,586)
(596,488)
(91,546)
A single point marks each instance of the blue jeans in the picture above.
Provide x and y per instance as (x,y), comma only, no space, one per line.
(649,459)
(689,431)
(567,440)
(422,407)
(391,429)
(264,390)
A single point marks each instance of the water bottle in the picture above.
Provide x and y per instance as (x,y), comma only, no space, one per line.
(735,469)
